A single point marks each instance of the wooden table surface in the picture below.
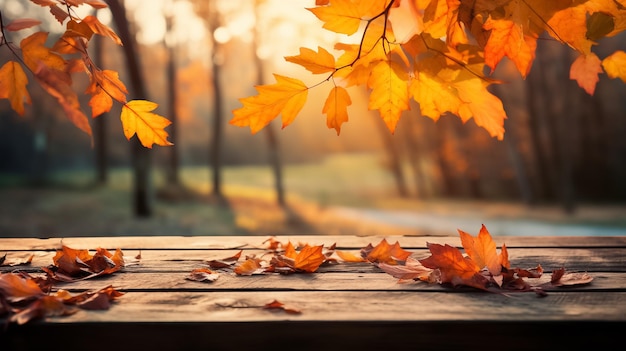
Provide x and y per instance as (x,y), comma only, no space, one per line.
(343,306)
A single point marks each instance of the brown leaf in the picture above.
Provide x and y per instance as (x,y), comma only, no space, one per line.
(225,262)
(14,287)
(412,269)
(46,306)
(562,278)
(203,275)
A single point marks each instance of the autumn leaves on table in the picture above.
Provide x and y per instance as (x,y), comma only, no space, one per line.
(25,297)
(53,67)
(482,267)
(435,52)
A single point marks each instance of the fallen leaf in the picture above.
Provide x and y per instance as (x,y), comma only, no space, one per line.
(412,269)
(249,267)
(562,278)
(277,305)
(203,275)
(454,267)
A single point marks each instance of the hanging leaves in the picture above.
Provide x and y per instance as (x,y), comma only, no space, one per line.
(53,69)
(434,52)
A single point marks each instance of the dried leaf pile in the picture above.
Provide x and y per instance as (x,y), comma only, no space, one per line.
(24,297)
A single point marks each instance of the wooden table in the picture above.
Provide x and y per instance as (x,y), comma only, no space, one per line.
(351,306)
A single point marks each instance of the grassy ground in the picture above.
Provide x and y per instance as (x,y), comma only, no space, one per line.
(73,206)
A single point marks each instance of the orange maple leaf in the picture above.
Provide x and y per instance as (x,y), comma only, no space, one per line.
(507,38)
(454,267)
(105,86)
(13,83)
(585,70)
(336,108)
(482,250)
(249,267)
(58,84)
(101,29)
(137,118)
(309,258)
(286,97)
(35,53)
(385,253)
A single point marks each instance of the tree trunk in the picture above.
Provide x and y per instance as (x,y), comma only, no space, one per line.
(395,163)
(215,151)
(100,126)
(172,97)
(272,138)
(142,182)
(517,159)
(413,137)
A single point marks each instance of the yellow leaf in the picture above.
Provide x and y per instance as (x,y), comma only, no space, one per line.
(439,91)
(585,70)
(435,96)
(484,107)
(137,118)
(390,94)
(13,83)
(615,65)
(316,62)
(287,97)
(336,108)
(345,16)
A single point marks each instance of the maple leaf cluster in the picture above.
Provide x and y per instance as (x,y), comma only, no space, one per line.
(52,67)
(482,267)
(280,258)
(435,52)
(24,297)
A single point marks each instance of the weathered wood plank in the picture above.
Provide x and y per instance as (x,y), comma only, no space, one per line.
(589,259)
(345,242)
(176,281)
(392,306)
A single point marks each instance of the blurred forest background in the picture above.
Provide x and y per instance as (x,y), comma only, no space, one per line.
(562,160)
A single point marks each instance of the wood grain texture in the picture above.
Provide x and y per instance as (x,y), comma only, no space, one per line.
(344,305)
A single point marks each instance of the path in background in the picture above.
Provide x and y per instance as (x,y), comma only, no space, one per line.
(57,212)
(606,221)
